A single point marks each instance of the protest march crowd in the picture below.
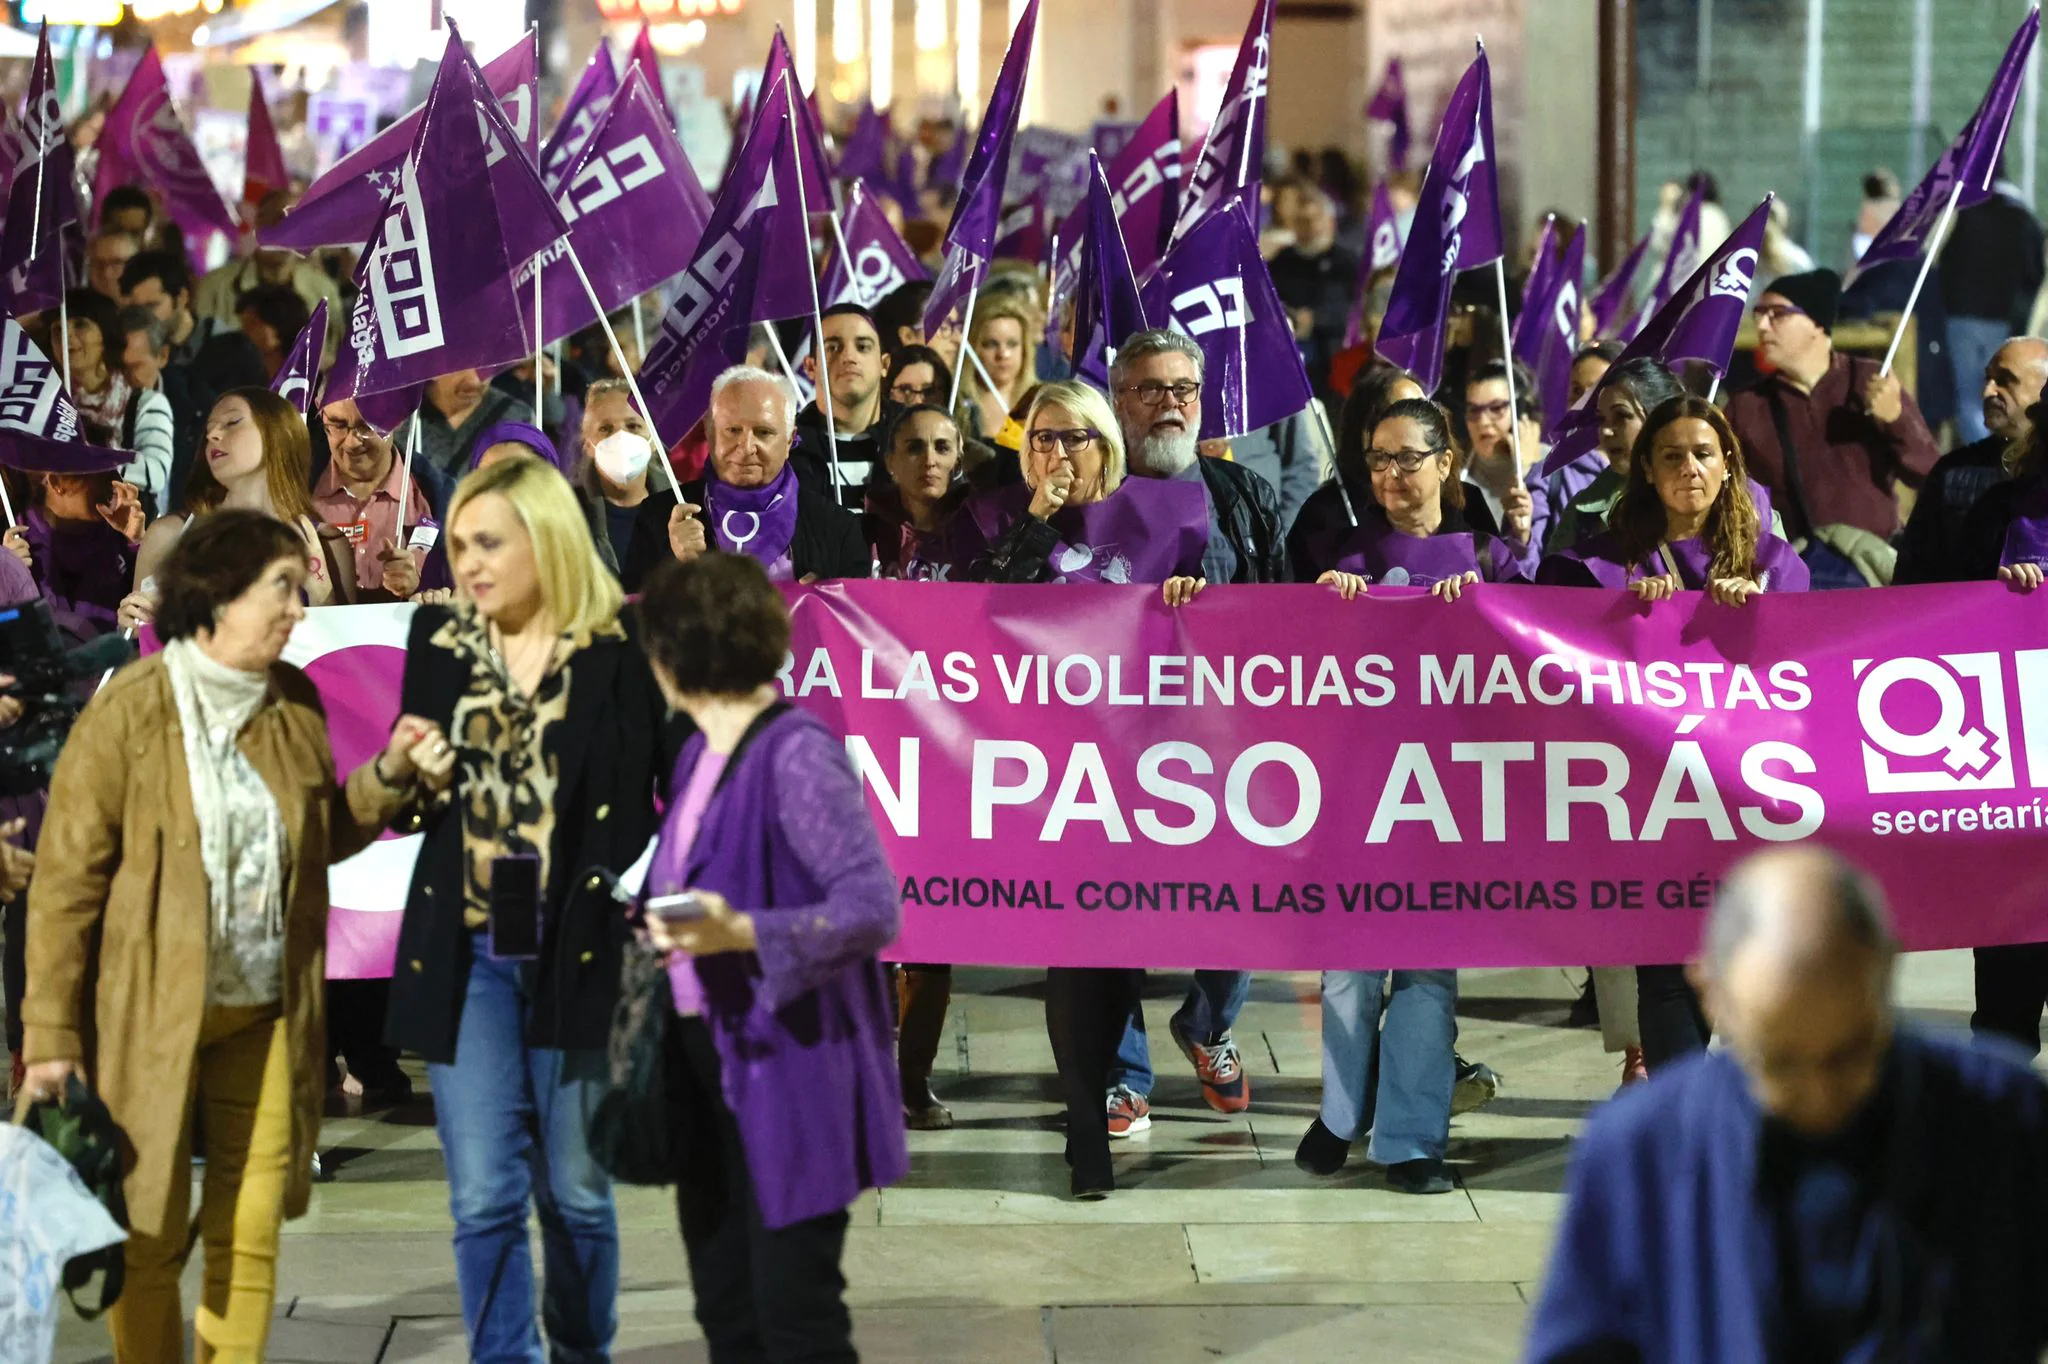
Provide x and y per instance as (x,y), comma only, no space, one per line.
(1215,376)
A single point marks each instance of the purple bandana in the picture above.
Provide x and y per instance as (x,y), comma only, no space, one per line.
(757,522)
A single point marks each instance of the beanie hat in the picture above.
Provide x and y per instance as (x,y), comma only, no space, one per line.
(1817,293)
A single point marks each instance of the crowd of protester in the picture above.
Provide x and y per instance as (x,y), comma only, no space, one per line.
(549,728)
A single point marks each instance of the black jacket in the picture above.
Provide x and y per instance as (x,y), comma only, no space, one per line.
(1932,547)
(1248,510)
(614,752)
(1981,542)
(859,456)
(828,541)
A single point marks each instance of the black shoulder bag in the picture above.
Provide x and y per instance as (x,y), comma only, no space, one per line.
(82,1131)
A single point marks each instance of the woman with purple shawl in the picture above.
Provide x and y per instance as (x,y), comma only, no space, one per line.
(770,891)
(1686,521)
(1396,1082)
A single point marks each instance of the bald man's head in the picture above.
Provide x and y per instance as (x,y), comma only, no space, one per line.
(1797,980)
(2013,382)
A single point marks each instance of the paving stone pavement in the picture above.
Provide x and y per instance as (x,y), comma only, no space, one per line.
(1214,1248)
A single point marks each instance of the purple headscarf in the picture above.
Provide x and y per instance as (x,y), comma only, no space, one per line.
(530,436)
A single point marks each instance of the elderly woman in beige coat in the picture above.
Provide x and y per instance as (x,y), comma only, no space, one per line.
(177,925)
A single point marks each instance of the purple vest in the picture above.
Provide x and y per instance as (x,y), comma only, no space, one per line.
(84,569)
(1381,554)
(1148,530)
(804,1025)
(2026,539)
(1778,566)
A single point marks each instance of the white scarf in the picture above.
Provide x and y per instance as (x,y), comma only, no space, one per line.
(241,834)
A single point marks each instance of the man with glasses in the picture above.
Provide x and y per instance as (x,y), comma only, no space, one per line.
(853,367)
(1156,387)
(358,493)
(1830,437)
(1830,1186)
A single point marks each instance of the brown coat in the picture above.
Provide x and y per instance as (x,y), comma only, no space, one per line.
(118,912)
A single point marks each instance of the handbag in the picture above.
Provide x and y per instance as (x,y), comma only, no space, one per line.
(82,1131)
(629,1128)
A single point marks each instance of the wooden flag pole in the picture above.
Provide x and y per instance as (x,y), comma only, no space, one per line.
(654,436)
(1507,341)
(1948,214)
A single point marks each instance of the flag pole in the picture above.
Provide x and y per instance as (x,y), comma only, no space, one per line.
(1507,341)
(782,358)
(64,323)
(412,447)
(1948,214)
(1336,469)
(967,344)
(639,329)
(811,275)
(654,436)
(539,381)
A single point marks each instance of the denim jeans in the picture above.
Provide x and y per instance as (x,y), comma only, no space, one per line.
(512,1124)
(1394,1081)
(1205,1015)
(1972,341)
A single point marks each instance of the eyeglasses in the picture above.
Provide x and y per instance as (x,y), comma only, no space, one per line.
(1075,439)
(912,393)
(1152,392)
(1408,461)
(1774,313)
(360,432)
(1474,411)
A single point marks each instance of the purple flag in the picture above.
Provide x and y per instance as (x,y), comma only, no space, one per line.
(594,89)
(344,206)
(949,165)
(1144,181)
(1535,290)
(643,56)
(39,427)
(1389,105)
(300,376)
(40,199)
(810,147)
(1681,260)
(1108,308)
(145,143)
(1214,286)
(971,237)
(1699,323)
(1611,295)
(1382,252)
(881,259)
(1233,157)
(436,288)
(1966,168)
(635,212)
(263,168)
(1456,227)
(1021,233)
(753,264)
(1547,332)
(867,148)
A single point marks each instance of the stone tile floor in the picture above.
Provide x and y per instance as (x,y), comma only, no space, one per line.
(1214,1248)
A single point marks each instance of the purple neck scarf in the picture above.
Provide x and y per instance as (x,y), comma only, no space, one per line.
(757,522)
(1382,554)
(1148,530)
(1778,566)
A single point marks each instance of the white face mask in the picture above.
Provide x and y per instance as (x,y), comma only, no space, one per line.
(623,456)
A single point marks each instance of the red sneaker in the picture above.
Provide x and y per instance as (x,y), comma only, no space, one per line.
(1129,1113)
(1225,1086)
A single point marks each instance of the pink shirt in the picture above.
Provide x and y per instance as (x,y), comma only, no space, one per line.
(370,523)
(682,828)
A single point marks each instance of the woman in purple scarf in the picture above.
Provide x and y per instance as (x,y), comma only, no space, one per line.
(770,890)
(1686,521)
(909,514)
(1396,1082)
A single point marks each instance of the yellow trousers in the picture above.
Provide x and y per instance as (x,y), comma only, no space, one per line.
(242,1097)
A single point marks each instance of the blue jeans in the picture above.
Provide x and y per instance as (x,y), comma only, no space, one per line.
(1972,341)
(511,1119)
(1205,1015)
(1394,1081)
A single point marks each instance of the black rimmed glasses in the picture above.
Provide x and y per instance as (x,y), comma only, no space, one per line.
(1153,393)
(1073,439)
(1407,461)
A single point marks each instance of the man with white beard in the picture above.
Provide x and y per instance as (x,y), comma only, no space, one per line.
(1156,386)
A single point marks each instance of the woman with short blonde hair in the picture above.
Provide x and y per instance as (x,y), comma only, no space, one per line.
(1003,335)
(509,952)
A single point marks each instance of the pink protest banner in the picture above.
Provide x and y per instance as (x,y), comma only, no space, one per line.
(1274,779)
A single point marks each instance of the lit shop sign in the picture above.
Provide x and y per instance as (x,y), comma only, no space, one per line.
(668,11)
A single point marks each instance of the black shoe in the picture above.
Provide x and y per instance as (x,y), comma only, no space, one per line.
(1585,1010)
(1092,1188)
(1322,1152)
(1420,1177)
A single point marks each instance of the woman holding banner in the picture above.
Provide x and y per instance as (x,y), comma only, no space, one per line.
(256,456)
(509,950)
(908,516)
(771,893)
(1331,511)
(177,939)
(1077,519)
(1686,521)
(1398,1082)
